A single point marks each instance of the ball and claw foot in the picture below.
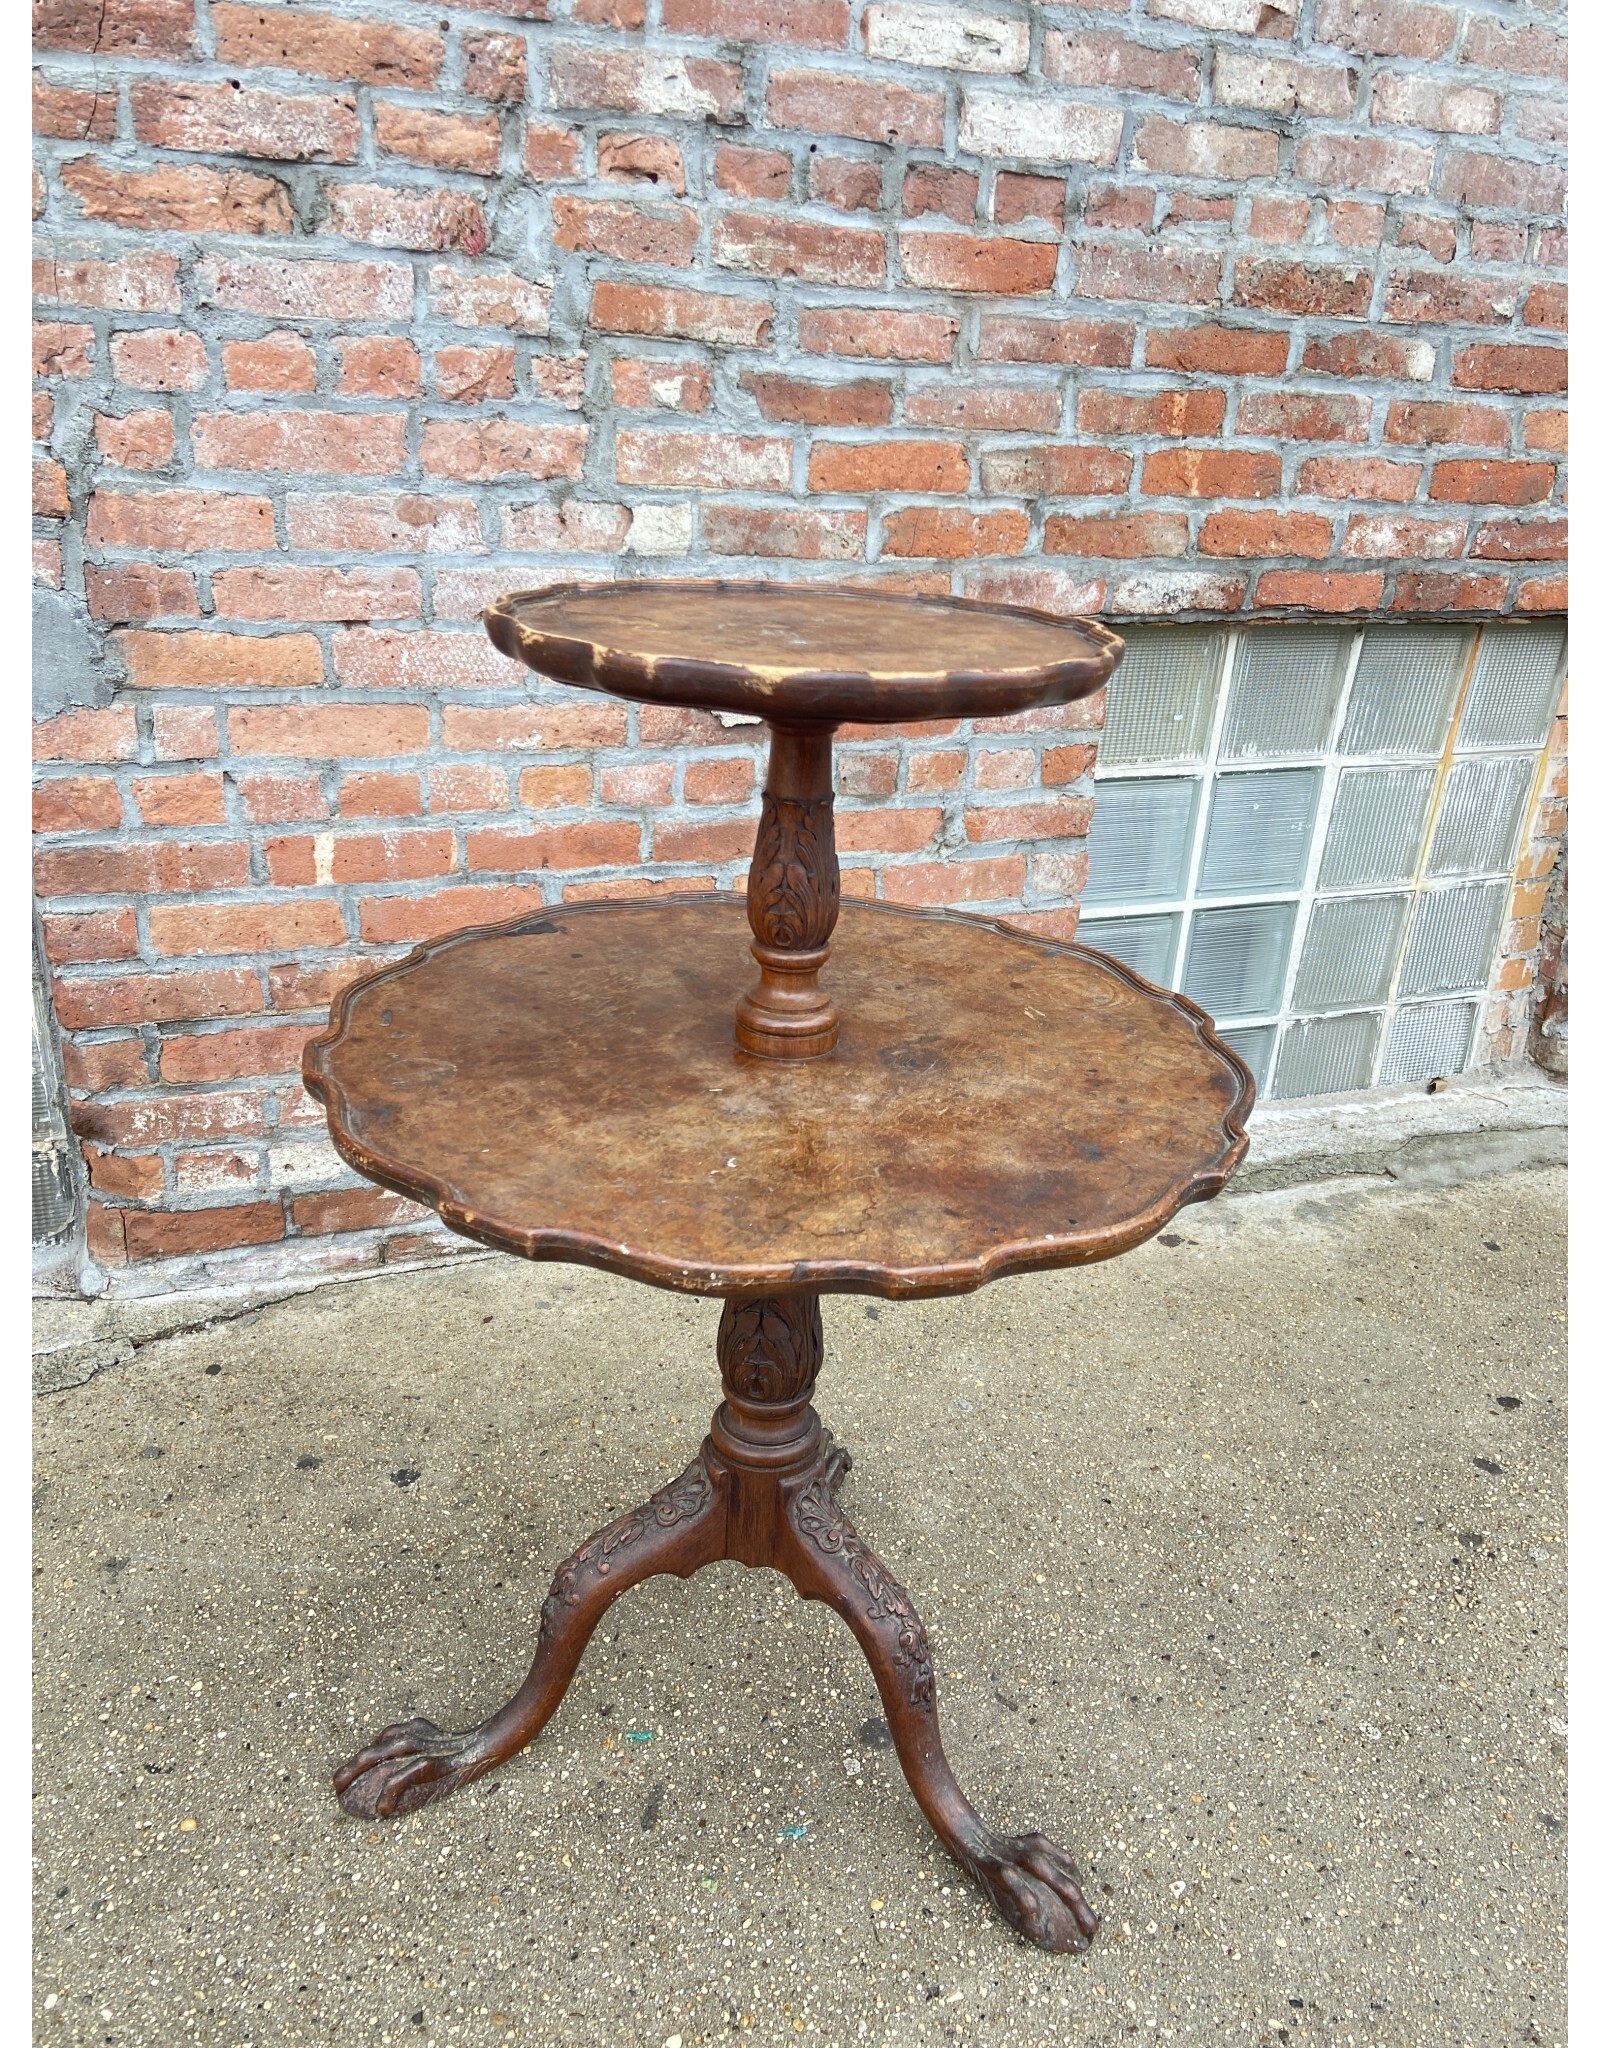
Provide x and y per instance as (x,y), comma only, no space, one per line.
(405,1767)
(1036,1889)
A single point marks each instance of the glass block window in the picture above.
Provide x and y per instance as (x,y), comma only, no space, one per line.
(1311,831)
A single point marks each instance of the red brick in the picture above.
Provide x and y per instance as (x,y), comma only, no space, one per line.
(1305,415)
(872,110)
(444,140)
(754,173)
(1210,211)
(1546,306)
(1203,149)
(143,866)
(996,880)
(1175,412)
(550,152)
(182,521)
(849,184)
(1492,483)
(935,771)
(704,842)
(1358,476)
(369,659)
(521,728)
(500,299)
(98,736)
(378,366)
(1473,179)
(1114,270)
(139,1179)
(401,217)
(384,523)
(159,359)
(180,198)
(1544,594)
(596,844)
(1059,817)
(274,362)
(476,450)
(1493,366)
(888,466)
(47,562)
(188,1232)
(1223,351)
(568,786)
(1526,49)
(1055,471)
(946,532)
(1330,290)
(1428,231)
(1387,28)
(380,796)
(645,82)
(577,526)
(302,443)
(88,1005)
(731,780)
(469,374)
(1441,590)
(1120,206)
(51,497)
(246,927)
(1082,57)
(1369,355)
(296,39)
(681,314)
(244,1053)
(978,263)
(77,803)
(997,408)
(369,732)
(1049,924)
(1280,218)
(1028,338)
(343,1209)
(1521,540)
(1019,197)
(66,348)
(181,800)
(1265,533)
(939,188)
(135,440)
(145,282)
(1063,591)
(281,799)
(864,403)
(1119,538)
(392,856)
(772,246)
(1354,225)
(1388,537)
(496,66)
(825,24)
(884,830)
(1211,473)
(1364,163)
(1409,100)
(139,590)
(642,159)
(736,462)
(631,234)
(221,661)
(785,531)
(1068,764)
(115,28)
(232,120)
(640,785)
(301,591)
(1432,423)
(878,332)
(1546,431)
(1444,298)
(73,115)
(307,287)
(1325,590)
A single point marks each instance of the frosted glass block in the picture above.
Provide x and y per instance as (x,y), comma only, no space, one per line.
(1259,833)
(1405,689)
(1286,684)
(1351,948)
(1238,958)
(1453,936)
(1480,819)
(1253,1044)
(1140,839)
(1429,1039)
(1376,829)
(1146,944)
(1160,702)
(1326,1055)
(1515,684)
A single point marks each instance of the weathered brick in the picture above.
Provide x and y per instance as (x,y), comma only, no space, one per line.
(550,151)
(214,660)
(300,591)
(64,348)
(492,299)
(520,728)
(77,803)
(1368,163)
(72,114)
(328,732)
(1443,590)
(864,402)
(143,282)
(824,24)
(1324,590)
(181,800)
(1279,217)
(1031,127)
(1493,366)
(470,374)
(1117,537)
(611,842)
(1241,17)
(1407,100)
(1358,476)
(1442,298)
(754,173)
(1281,85)
(1432,423)
(976,263)
(941,189)
(130,867)
(443,139)
(400,217)
(1204,149)
(1173,412)
(807,534)
(370,659)
(115,28)
(1338,290)
(378,366)
(645,82)
(98,736)
(993,408)
(495,66)
(1526,48)
(1491,483)
(1084,57)
(872,110)
(710,461)
(1546,431)
(1019,196)
(1305,415)
(1110,270)
(680,314)
(773,246)
(952,39)
(1475,178)
(1369,355)
(302,443)
(888,466)
(364,795)
(1211,473)
(135,440)
(274,362)
(849,184)
(158,359)
(384,523)
(1387,28)
(992,880)
(306,287)
(182,521)
(88,1005)
(1265,534)
(1223,351)
(1056,471)
(233,120)
(879,332)
(1389,537)
(631,234)
(298,39)
(179,197)
(139,590)
(343,1209)
(642,159)
(948,533)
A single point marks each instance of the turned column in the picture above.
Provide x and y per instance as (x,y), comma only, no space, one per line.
(793,901)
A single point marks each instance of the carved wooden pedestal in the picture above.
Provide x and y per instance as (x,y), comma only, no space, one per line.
(793,901)
(763,1489)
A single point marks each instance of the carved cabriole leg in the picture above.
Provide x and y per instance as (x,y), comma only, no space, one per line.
(792,901)
(678,1529)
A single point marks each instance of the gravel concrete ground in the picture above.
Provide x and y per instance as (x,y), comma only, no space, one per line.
(1242,1558)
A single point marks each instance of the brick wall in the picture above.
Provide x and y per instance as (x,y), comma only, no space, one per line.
(353,316)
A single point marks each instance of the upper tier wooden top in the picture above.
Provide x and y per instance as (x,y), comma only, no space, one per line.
(803,654)
(567,1087)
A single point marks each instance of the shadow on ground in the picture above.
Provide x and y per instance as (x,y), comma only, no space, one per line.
(1242,1558)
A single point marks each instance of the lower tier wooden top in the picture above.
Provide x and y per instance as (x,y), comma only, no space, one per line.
(567,1087)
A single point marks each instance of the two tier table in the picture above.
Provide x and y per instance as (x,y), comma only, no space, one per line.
(889,1102)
